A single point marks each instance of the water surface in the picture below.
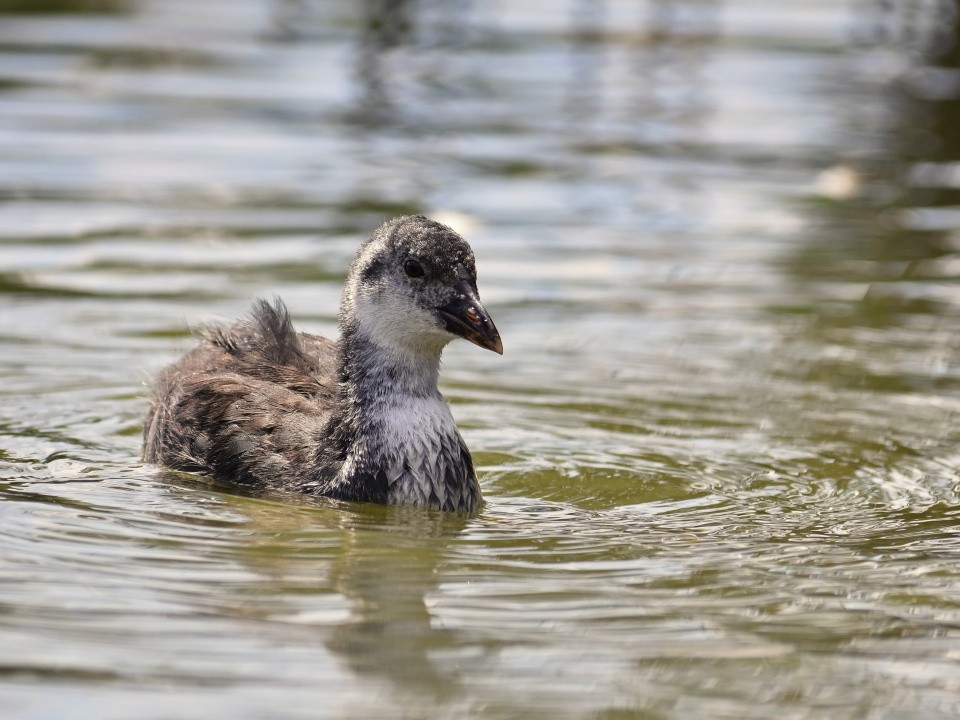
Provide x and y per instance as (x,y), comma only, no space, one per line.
(720,453)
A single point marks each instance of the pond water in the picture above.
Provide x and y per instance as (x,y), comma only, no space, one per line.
(721,453)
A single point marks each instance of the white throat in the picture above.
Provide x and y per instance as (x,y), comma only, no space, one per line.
(399,327)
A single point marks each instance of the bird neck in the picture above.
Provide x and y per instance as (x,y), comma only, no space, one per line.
(372,374)
(400,442)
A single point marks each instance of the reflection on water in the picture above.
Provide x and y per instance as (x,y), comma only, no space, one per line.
(720,239)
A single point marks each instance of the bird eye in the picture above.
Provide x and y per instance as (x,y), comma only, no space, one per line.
(413,269)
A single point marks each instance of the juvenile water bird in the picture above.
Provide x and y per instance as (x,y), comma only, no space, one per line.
(262,405)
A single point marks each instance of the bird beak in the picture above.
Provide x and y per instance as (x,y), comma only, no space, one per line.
(467,318)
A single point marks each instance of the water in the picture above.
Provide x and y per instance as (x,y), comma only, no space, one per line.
(720,454)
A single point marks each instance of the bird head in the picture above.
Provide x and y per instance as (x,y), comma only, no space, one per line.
(412,287)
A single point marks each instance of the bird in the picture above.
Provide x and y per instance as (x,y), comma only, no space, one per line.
(260,405)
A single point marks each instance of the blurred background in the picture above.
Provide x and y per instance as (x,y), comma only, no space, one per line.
(721,240)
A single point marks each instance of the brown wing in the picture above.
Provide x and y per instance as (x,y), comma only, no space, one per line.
(248,406)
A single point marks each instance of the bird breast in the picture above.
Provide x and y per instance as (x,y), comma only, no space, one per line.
(421,450)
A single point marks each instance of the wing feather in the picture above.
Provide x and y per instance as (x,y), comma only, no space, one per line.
(248,405)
